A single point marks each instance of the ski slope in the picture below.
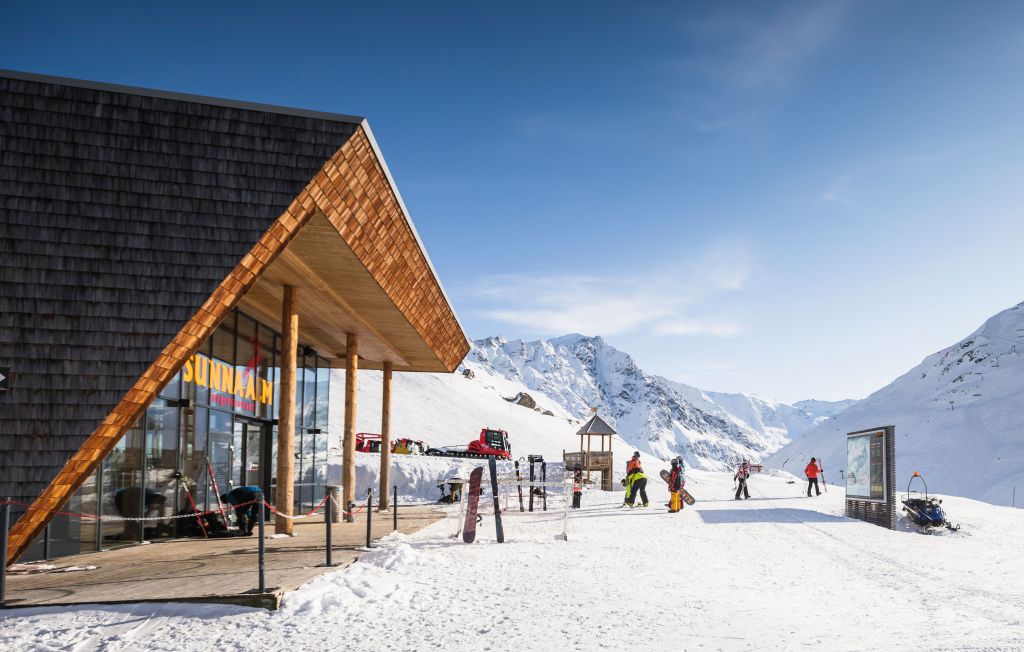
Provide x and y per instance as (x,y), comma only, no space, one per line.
(776,572)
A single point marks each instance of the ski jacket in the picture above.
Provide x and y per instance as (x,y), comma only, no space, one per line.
(742,473)
(632,464)
(812,470)
(675,479)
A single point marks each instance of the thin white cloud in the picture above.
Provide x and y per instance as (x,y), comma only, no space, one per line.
(770,54)
(839,191)
(684,327)
(667,302)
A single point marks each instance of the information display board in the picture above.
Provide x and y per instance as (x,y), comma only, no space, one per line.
(865,465)
(870,475)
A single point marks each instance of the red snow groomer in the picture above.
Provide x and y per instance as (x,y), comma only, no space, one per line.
(491,443)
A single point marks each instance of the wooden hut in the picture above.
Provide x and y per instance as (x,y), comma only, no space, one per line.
(589,459)
(180,273)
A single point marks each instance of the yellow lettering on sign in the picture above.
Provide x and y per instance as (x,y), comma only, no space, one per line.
(239,384)
(202,371)
(250,389)
(189,371)
(227,381)
(215,372)
(266,391)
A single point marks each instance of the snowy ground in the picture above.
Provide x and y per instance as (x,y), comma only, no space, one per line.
(779,571)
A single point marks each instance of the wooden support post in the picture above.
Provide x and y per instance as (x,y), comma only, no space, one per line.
(385,439)
(588,457)
(285,493)
(348,464)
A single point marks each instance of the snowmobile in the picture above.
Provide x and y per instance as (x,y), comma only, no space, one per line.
(925,512)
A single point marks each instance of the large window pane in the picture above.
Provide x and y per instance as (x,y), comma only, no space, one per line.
(161,464)
(249,354)
(123,493)
(193,458)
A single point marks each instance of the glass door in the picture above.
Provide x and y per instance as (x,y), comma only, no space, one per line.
(255,454)
(220,460)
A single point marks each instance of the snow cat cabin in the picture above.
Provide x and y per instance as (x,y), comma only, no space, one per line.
(181,273)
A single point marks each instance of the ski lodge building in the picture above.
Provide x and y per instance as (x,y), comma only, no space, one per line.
(178,276)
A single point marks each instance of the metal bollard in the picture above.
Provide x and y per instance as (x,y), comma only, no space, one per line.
(262,549)
(328,517)
(369,515)
(532,478)
(394,503)
(5,526)
(544,481)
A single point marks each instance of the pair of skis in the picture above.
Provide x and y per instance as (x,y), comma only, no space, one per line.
(473,503)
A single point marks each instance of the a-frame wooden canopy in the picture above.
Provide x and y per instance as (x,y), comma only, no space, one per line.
(347,250)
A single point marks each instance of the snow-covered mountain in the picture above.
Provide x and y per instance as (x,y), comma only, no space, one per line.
(959,418)
(655,415)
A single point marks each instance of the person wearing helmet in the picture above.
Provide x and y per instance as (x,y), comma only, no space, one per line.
(636,483)
(675,486)
(577,486)
(741,476)
(632,463)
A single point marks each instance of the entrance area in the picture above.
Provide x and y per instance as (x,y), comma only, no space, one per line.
(213,427)
(253,443)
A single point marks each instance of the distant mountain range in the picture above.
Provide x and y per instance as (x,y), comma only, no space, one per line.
(711,430)
(959,418)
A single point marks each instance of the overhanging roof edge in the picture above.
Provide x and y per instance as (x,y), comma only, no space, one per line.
(408,220)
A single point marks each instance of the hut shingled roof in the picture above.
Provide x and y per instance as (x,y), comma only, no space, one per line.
(596,426)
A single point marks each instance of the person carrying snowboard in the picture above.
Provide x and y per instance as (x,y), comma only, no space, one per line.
(812,472)
(741,476)
(675,486)
(577,487)
(636,483)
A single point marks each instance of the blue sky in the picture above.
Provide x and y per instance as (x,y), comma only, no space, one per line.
(792,199)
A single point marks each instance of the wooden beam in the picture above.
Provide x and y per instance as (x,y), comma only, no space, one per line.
(348,462)
(284,495)
(289,260)
(385,440)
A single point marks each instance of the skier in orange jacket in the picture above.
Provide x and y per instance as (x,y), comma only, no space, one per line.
(812,472)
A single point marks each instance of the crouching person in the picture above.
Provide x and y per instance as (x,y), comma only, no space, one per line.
(244,500)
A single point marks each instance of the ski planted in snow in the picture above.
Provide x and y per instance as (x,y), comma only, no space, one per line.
(499,529)
(472,504)
(519,484)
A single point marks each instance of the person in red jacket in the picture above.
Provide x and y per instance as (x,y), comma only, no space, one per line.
(633,462)
(812,472)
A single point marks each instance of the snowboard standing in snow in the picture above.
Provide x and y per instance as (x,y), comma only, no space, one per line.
(499,529)
(683,493)
(472,504)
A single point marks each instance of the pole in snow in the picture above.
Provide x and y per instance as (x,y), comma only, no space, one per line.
(262,546)
(328,517)
(369,514)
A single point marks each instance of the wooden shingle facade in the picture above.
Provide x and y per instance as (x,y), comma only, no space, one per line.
(133,222)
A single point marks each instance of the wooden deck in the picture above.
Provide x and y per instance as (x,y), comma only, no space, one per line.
(208,570)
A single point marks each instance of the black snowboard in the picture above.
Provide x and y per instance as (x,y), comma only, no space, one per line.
(472,504)
(683,493)
(499,528)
